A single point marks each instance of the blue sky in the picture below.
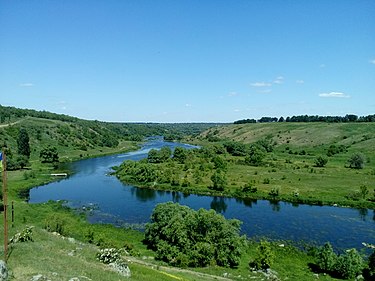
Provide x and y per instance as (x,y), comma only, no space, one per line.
(188,61)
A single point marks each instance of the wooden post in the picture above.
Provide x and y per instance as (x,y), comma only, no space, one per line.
(12,213)
(5,203)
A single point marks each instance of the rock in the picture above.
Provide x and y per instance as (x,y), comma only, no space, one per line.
(359,277)
(71,240)
(3,271)
(316,275)
(121,268)
(39,277)
(74,279)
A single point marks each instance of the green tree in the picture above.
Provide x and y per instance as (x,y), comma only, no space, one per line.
(184,237)
(357,161)
(180,154)
(23,143)
(219,163)
(350,264)
(326,258)
(49,154)
(255,155)
(219,181)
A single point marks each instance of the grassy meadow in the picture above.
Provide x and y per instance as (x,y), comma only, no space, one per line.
(286,169)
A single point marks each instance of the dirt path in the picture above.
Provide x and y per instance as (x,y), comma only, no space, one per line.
(169,270)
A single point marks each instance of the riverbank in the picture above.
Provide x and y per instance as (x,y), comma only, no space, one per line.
(290,263)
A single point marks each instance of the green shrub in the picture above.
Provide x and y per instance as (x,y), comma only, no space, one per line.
(321,161)
(24,236)
(350,264)
(326,258)
(108,255)
(55,223)
(264,256)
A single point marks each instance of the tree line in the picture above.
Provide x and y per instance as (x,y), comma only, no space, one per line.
(311,118)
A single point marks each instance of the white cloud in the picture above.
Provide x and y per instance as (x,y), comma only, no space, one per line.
(232,94)
(266,91)
(261,84)
(237,110)
(26,84)
(188,105)
(279,80)
(300,81)
(334,95)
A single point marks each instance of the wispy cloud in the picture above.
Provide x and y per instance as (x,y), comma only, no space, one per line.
(188,105)
(261,84)
(279,80)
(334,95)
(372,61)
(266,91)
(322,65)
(26,85)
(232,94)
(300,81)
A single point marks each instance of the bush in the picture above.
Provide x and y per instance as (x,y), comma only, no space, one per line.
(264,256)
(350,264)
(184,237)
(55,223)
(356,161)
(326,258)
(320,161)
(108,255)
(23,236)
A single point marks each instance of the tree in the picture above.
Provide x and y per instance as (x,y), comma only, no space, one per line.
(49,154)
(357,161)
(326,258)
(255,155)
(219,181)
(23,143)
(180,154)
(184,237)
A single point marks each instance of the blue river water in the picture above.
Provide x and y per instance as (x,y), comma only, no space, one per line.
(110,201)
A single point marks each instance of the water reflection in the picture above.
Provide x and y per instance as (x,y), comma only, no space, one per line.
(248,202)
(218,204)
(143,194)
(363,214)
(275,204)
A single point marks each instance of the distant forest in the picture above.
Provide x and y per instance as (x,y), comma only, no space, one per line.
(110,131)
(311,118)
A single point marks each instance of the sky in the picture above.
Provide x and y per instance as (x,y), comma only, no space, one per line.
(188,60)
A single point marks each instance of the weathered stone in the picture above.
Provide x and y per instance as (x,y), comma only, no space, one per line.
(39,277)
(3,271)
(121,268)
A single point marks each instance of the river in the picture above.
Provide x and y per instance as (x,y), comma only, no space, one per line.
(107,200)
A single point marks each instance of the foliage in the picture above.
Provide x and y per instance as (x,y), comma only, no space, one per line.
(55,223)
(159,156)
(49,154)
(219,180)
(264,256)
(24,236)
(364,191)
(350,264)
(23,143)
(326,258)
(335,149)
(347,265)
(180,154)
(220,163)
(255,155)
(357,161)
(108,255)
(235,148)
(184,237)
(321,161)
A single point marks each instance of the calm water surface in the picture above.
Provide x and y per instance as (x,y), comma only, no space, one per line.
(110,201)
